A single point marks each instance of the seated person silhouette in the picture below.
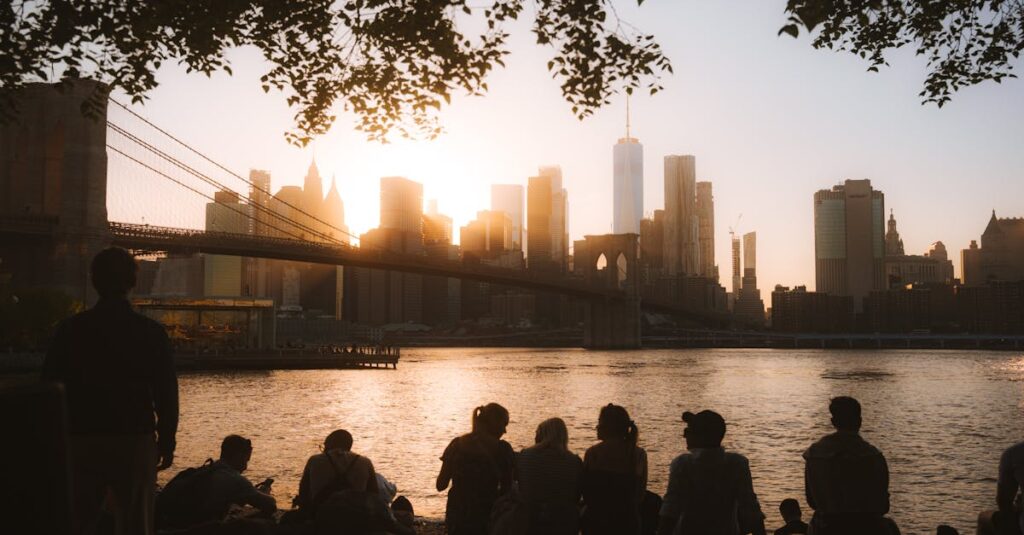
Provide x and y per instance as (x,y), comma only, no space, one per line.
(205,495)
(1008,519)
(336,468)
(710,490)
(792,516)
(846,478)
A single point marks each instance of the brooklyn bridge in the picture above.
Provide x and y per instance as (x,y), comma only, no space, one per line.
(54,169)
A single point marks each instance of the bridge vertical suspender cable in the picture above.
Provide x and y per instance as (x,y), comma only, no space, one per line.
(225,169)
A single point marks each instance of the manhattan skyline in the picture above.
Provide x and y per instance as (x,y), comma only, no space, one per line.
(769,120)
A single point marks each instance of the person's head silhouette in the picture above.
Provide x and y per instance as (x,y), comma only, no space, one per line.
(235,451)
(491,419)
(704,429)
(790,510)
(845,413)
(339,439)
(113,272)
(552,434)
(614,424)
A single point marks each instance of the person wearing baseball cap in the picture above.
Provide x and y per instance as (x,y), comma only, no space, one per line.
(846,478)
(710,490)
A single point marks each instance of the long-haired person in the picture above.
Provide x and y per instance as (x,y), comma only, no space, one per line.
(549,481)
(614,476)
(479,466)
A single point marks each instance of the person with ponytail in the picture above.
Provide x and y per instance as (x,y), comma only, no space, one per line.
(614,476)
(479,467)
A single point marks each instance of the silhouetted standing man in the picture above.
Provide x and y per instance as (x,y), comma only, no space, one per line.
(117,369)
(846,478)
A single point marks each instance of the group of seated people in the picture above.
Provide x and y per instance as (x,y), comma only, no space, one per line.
(545,489)
(340,492)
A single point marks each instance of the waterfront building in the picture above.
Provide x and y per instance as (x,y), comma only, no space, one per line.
(222,274)
(849,241)
(800,311)
(1001,255)
(705,206)
(996,307)
(681,221)
(627,184)
(901,269)
(920,307)
(508,198)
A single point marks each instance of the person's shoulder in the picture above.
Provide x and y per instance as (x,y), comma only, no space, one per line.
(681,460)
(736,458)
(820,447)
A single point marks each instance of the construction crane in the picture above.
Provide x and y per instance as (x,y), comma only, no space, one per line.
(736,225)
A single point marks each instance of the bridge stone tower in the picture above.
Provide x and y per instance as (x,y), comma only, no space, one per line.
(610,260)
(53,181)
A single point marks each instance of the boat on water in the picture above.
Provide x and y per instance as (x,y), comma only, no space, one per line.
(328,357)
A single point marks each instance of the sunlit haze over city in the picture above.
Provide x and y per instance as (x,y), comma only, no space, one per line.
(769,119)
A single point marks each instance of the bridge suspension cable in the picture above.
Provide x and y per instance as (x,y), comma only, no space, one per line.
(196,191)
(211,181)
(229,171)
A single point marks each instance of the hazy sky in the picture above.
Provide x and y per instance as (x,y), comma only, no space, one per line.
(769,119)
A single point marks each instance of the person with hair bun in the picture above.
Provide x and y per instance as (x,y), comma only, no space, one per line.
(479,466)
(614,476)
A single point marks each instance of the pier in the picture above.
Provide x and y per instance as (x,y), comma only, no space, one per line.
(324,358)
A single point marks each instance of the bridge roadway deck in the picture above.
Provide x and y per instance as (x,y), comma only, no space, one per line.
(176,240)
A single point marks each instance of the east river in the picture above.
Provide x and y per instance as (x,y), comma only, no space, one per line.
(942,418)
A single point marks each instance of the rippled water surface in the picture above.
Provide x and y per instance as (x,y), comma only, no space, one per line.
(942,418)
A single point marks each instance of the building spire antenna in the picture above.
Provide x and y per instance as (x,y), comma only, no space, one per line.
(627,117)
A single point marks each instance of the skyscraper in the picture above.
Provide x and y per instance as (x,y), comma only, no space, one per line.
(849,240)
(893,243)
(313,201)
(222,274)
(437,227)
(627,183)
(333,214)
(737,273)
(508,198)
(559,228)
(748,304)
(259,202)
(750,257)
(401,206)
(681,222)
(705,206)
(538,222)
